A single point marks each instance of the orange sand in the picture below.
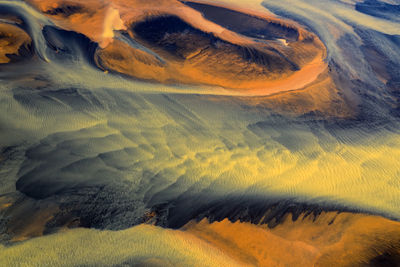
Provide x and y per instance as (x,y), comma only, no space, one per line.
(343,239)
(11,39)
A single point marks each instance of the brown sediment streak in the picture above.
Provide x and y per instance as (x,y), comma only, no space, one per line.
(11,39)
(321,95)
(210,54)
(297,80)
(36,225)
(340,239)
(5,202)
(25,220)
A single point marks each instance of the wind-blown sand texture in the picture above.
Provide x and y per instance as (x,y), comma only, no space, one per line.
(199,133)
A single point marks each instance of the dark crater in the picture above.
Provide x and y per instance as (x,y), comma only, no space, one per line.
(174,35)
(181,40)
(245,24)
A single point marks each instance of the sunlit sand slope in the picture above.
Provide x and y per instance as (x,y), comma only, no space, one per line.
(332,239)
(143,245)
